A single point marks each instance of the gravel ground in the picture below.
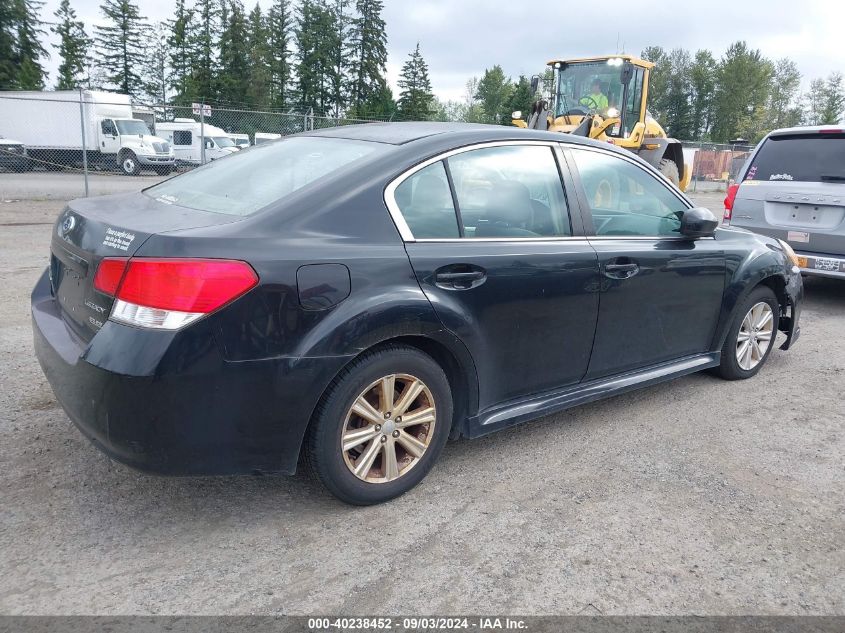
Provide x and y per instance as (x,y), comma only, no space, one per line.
(699,496)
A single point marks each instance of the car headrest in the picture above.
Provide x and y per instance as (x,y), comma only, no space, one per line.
(509,202)
(431,192)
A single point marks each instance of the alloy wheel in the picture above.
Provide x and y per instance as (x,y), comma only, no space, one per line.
(388,428)
(755,336)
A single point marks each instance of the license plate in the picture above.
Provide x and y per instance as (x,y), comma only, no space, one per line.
(823,263)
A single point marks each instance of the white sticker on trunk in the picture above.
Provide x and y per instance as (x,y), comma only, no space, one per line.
(121,240)
(797,236)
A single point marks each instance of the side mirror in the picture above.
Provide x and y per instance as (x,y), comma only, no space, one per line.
(698,222)
(535,84)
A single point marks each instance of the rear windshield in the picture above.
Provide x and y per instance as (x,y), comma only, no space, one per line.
(804,158)
(253,179)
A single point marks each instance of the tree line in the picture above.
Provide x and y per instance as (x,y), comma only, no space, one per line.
(742,94)
(328,56)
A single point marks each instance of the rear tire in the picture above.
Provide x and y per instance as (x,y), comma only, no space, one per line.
(669,169)
(756,321)
(365,404)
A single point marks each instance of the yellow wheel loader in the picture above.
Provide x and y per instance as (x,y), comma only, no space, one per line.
(605,98)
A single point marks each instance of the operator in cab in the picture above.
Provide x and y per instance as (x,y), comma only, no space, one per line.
(596,100)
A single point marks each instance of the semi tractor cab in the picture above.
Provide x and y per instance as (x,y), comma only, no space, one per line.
(55,126)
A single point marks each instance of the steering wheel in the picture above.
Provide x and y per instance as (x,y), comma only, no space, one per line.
(589,100)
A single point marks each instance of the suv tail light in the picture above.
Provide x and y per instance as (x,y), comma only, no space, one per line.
(729,203)
(170,293)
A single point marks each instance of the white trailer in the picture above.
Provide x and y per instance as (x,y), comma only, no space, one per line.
(241,140)
(50,125)
(186,137)
(266,137)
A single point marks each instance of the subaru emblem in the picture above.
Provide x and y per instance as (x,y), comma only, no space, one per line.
(68,224)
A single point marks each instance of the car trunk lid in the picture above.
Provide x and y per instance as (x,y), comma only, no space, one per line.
(91,229)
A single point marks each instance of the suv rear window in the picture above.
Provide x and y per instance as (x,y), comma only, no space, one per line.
(257,177)
(800,157)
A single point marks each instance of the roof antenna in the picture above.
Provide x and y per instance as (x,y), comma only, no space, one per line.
(617,42)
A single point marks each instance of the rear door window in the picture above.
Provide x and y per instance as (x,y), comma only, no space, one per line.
(800,157)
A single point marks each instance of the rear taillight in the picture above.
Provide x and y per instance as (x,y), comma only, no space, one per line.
(729,203)
(170,293)
(109,273)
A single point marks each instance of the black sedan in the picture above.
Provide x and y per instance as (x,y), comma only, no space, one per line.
(362,294)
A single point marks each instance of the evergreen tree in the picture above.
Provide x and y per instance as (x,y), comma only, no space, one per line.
(203,45)
(280,27)
(316,36)
(156,75)
(493,91)
(415,98)
(379,104)
(703,83)
(8,46)
(120,45)
(30,73)
(73,48)
(833,100)
(338,45)
(181,61)
(743,84)
(520,99)
(258,90)
(368,52)
(233,77)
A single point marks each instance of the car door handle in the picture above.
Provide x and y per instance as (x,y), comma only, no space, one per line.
(459,280)
(621,271)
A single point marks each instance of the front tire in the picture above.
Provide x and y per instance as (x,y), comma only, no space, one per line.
(129,164)
(751,336)
(669,169)
(380,426)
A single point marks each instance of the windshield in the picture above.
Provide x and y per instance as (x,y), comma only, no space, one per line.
(586,87)
(132,126)
(223,141)
(249,181)
(800,157)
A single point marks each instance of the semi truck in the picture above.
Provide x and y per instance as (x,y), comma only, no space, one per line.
(51,126)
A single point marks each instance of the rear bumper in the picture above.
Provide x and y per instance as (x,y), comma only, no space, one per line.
(822,265)
(168,403)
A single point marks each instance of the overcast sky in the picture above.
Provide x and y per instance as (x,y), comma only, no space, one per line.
(460,38)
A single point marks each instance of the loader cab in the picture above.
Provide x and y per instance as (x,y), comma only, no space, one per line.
(612,87)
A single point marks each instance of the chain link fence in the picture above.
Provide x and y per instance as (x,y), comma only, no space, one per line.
(90,132)
(714,165)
